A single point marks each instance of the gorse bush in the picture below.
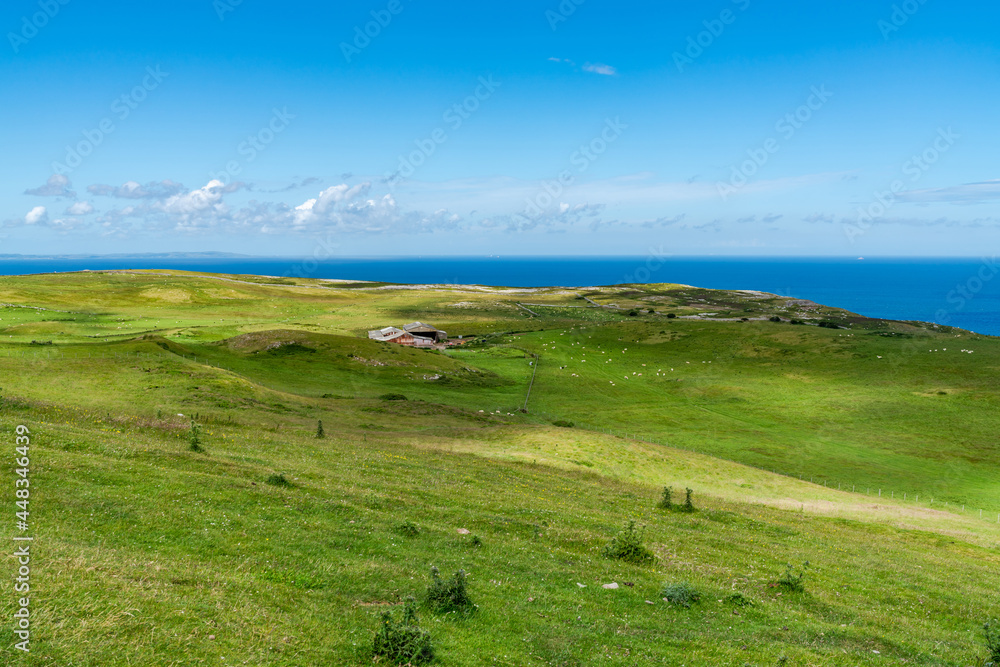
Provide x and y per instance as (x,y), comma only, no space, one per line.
(449,595)
(666,500)
(992,637)
(792,578)
(393,397)
(403,642)
(627,546)
(682,594)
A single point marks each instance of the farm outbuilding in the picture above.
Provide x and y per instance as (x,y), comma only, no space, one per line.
(416,334)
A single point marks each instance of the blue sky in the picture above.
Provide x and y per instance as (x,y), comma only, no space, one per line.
(732,127)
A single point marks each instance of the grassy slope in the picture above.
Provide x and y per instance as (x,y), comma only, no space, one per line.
(145,549)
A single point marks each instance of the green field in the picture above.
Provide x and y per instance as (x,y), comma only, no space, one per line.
(149,553)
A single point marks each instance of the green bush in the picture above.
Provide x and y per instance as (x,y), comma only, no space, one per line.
(393,397)
(320,433)
(563,423)
(666,500)
(992,632)
(792,578)
(403,642)
(447,595)
(195,437)
(682,594)
(688,500)
(671,316)
(627,546)
(633,313)
(774,318)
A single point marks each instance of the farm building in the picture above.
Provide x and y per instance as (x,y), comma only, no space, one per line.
(416,334)
(421,330)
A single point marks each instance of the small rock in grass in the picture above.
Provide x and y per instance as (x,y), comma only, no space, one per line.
(463,531)
(612,586)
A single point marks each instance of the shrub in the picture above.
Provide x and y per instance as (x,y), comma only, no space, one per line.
(774,318)
(563,423)
(447,595)
(688,504)
(320,433)
(992,632)
(278,479)
(682,594)
(792,578)
(666,501)
(408,528)
(403,641)
(627,546)
(393,397)
(829,325)
(633,313)
(195,437)
(671,316)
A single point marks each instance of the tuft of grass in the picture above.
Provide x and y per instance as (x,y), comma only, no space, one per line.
(408,528)
(278,479)
(450,595)
(627,546)
(738,600)
(562,423)
(681,594)
(403,641)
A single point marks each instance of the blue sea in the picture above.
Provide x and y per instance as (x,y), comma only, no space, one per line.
(957,292)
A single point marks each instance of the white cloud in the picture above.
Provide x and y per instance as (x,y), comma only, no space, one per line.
(57,186)
(37,216)
(600,68)
(969,193)
(133,190)
(80,208)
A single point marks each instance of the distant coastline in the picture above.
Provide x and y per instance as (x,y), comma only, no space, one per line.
(959,292)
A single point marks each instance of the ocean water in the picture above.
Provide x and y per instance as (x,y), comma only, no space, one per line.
(957,292)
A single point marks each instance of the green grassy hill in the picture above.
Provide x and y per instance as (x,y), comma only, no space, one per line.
(273,547)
